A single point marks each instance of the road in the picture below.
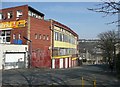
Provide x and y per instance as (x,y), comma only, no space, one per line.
(68,77)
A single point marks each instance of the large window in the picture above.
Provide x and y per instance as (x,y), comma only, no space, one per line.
(60,36)
(56,36)
(5,36)
(64,51)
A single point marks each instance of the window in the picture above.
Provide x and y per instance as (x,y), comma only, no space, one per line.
(34,14)
(43,37)
(36,36)
(19,13)
(5,36)
(47,37)
(10,14)
(40,36)
(60,37)
(19,36)
(39,17)
(29,13)
(14,36)
(3,33)
(0,16)
(65,38)
(55,35)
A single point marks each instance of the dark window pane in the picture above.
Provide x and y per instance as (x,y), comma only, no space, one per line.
(7,39)
(7,33)
(3,33)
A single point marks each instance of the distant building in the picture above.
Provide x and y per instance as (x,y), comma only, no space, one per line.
(88,51)
(51,44)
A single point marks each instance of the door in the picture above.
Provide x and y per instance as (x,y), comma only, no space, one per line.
(57,63)
(14,60)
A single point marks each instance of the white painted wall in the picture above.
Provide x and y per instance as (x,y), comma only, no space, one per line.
(11,48)
(61,63)
(66,62)
(53,63)
(14,57)
(69,62)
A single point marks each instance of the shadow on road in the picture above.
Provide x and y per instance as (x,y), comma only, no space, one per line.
(65,77)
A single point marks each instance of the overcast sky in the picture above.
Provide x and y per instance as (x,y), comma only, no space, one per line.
(75,15)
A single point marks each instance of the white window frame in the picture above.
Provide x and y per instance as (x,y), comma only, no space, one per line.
(4,37)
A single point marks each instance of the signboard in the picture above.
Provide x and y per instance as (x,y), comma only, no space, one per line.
(13,24)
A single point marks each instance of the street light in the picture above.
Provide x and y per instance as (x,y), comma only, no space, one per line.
(30,51)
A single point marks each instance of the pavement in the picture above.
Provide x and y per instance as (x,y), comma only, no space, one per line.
(65,77)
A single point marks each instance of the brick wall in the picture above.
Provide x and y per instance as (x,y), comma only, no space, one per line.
(40,45)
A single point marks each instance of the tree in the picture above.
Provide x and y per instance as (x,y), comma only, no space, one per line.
(109,39)
(107,44)
(108,7)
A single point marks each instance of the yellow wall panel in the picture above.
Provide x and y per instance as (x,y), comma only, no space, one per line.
(64,45)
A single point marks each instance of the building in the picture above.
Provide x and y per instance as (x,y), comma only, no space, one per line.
(48,41)
(89,53)
(64,46)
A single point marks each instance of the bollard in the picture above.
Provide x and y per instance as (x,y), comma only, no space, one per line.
(94,83)
(82,82)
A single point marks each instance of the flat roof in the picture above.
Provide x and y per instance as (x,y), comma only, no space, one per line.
(29,7)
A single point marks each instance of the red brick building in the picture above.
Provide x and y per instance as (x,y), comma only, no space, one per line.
(25,25)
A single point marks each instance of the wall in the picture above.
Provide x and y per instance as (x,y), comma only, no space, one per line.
(8,48)
(40,47)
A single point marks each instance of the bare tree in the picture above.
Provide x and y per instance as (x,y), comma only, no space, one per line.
(108,7)
(107,44)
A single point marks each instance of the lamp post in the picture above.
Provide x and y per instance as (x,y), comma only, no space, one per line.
(30,52)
